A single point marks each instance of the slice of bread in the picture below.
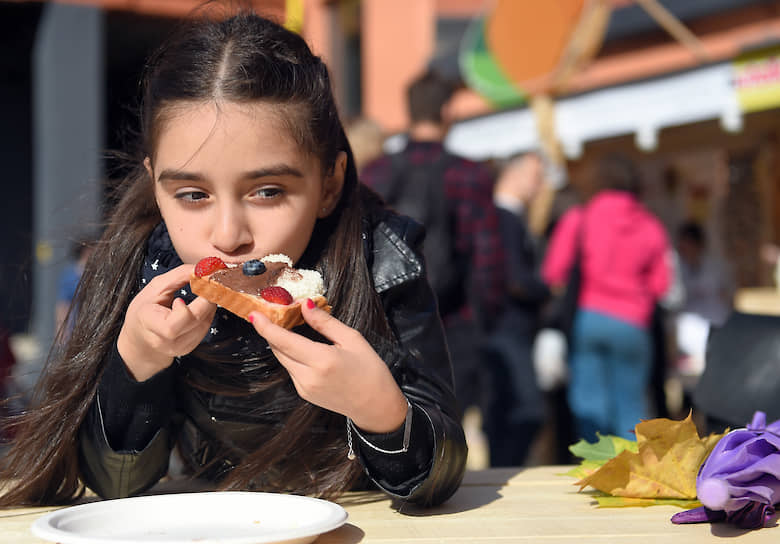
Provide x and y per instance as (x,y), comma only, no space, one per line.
(239,293)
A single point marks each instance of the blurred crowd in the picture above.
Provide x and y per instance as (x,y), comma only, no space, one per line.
(576,311)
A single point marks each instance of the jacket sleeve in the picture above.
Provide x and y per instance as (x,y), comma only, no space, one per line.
(423,370)
(125,440)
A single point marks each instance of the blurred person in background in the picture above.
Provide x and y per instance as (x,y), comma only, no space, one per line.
(624,254)
(550,350)
(664,337)
(709,288)
(453,198)
(69,278)
(709,292)
(515,410)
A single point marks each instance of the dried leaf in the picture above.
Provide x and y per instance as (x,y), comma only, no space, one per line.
(665,464)
(596,454)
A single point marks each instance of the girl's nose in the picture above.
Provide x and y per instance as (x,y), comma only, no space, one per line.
(230,231)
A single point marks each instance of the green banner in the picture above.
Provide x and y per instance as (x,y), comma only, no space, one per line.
(481,71)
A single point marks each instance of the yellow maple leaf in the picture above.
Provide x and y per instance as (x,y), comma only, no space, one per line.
(664,467)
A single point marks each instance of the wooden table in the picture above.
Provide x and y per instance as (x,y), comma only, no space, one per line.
(537,504)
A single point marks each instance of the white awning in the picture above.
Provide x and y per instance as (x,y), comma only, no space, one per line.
(641,108)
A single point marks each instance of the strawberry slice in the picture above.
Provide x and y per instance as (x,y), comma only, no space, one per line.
(208,265)
(277,295)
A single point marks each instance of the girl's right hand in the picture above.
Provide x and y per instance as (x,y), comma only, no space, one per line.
(159,326)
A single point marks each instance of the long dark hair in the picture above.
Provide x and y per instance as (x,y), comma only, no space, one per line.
(243,58)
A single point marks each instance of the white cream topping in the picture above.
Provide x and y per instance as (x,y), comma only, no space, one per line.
(300,283)
(278,258)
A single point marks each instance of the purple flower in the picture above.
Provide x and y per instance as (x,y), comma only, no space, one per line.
(740,480)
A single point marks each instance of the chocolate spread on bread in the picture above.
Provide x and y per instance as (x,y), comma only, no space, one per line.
(235,279)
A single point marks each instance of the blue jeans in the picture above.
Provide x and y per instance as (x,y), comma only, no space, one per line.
(609,378)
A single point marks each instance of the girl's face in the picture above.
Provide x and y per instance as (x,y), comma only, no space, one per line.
(231,182)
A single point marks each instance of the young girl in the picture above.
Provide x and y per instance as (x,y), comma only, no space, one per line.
(243,155)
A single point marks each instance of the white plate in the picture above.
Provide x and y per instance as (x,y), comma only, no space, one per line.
(226,517)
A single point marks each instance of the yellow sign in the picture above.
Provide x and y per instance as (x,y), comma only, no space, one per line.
(757,79)
(293,19)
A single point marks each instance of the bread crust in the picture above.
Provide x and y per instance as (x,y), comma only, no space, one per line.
(242,304)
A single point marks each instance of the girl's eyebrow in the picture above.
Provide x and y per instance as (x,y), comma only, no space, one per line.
(178,175)
(274,170)
(268,171)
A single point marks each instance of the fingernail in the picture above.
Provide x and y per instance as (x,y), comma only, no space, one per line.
(309,303)
(251,318)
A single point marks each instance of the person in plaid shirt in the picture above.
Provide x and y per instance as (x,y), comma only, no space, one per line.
(468,191)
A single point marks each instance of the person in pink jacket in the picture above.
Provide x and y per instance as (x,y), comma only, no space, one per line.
(625,269)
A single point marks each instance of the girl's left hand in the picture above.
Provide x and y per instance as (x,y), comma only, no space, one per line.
(347,377)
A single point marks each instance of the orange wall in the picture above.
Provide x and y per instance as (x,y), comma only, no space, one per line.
(461,8)
(398,38)
(397,41)
(316,28)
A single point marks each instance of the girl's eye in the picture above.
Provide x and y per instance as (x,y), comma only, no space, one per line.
(268,192)
(191,196)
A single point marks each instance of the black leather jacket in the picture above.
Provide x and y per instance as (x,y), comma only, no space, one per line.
(394,258)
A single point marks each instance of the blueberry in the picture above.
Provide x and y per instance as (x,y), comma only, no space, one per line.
(255,267)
